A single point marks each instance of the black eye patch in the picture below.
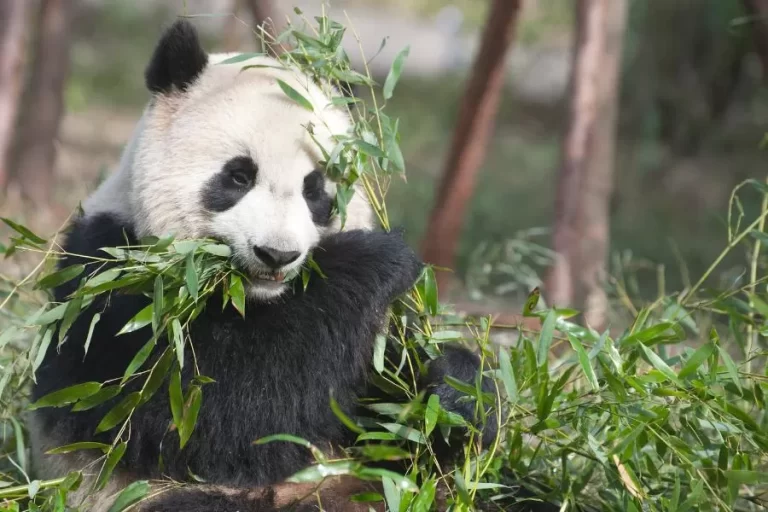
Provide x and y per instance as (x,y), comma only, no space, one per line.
(226,188)
(317,198)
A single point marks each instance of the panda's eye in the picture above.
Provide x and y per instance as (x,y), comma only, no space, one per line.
(241,172)
(240,179)
(314,185)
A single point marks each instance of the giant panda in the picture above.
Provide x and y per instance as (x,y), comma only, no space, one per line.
(221,152)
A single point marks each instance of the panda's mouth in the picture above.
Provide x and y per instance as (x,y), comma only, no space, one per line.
(277,277)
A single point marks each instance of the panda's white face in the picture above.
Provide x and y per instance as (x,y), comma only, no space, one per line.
(223,152)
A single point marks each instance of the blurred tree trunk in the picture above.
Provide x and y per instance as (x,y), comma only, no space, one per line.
(266,14)
(43,103)
(471,136)
(233,29)
(584,186)
(13,17)
(758,9)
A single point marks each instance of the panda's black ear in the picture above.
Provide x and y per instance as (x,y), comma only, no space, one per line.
(178,59)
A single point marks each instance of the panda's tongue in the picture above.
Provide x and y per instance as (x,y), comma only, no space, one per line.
(279,277)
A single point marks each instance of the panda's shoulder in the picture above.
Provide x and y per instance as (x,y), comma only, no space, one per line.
(89,233)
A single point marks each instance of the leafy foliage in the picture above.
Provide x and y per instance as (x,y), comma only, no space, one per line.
(667,413)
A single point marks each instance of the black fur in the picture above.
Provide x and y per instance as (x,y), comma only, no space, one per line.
(317,198)
(274,370)
(178,59)
(226,188)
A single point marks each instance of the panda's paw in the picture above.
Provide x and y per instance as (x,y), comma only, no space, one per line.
(463,365)
(377,264)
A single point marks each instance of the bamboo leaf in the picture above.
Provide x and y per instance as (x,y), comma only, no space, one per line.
(139,359)
(191,275)
(431,414)
(67,395)
(104,394)
(295,95)
(697,359)
(237,292)
(58,278)
(584,361)
(109,465)
(545,338)
(508,375)
(191,411)
(119,412)
(23,231)
(79,446)
(141,319)
(130,495)
(394,73)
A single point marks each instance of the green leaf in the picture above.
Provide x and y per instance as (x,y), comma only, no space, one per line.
(23,231)
(109,465)
(104,394)
(94,321)
(391,493)
(508,375)
(176,398)
(430,291)
(426,497)
(431,414)
(71,313)
(378,452)
(697,359)
(178,341)
(67,395)
(157,304)
(545,338)
(405,432)
(237,292)
(400,481)
(191,275)
(733,372)
(157,375)
(49,316)
(119,412)
(351,425)
(43,349)
(586,364)
(379,348)
(369,149)
(287,438)
(130,495)
(79,446)
(241,57)
(531,302)
(658,363)
(394,73)
(191,411)
(321,471)
(62,276)
(139,359)
(295,96)
(366,497)
(141,319)
(21,451)
(746,477)
(218,250)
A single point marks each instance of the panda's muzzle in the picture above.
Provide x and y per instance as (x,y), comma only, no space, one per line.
(276,260)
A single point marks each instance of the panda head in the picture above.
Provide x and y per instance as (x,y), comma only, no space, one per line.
(223,152)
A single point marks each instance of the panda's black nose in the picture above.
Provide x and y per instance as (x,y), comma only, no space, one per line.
(273,258)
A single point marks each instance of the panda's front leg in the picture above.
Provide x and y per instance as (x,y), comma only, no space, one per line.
(463,365)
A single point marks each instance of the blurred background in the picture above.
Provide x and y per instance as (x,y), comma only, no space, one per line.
(680,126)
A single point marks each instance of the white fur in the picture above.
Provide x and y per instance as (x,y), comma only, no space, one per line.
(185,138)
